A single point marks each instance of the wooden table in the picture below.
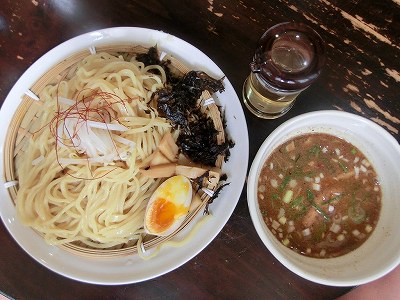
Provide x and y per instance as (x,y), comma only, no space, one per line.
(361,76)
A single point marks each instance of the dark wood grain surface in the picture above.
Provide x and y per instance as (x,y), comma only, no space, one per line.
(361,76)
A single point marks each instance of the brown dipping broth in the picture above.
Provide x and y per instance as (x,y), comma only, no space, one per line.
(319,195)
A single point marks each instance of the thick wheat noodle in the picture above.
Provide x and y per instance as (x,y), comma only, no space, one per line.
(106,207)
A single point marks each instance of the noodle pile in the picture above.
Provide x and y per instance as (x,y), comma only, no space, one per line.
(79,178)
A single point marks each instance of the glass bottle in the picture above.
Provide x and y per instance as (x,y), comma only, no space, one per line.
(289,57)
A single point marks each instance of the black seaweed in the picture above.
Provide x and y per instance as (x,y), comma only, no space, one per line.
(198,136)
(201,182)
(215,196)
(199,142)
(151,57)
(178,101)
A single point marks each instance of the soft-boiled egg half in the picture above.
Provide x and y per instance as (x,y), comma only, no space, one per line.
(168,206)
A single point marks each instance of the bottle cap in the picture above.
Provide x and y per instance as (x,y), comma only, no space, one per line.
(289,56)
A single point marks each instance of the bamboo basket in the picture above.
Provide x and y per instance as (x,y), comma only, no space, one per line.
(20,130)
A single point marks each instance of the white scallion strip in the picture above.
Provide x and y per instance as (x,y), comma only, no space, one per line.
(292,183)
(307,179)
(306,232)
(66,101)
(122,156)
(60,130)
(93,138)
(106,126)
(316,187)
(275,225)
(209,101)
(92,50)
(335,228)
(274,183)
(290,146)
(123,140)
(162,55)
(9,184)
(340,237)
(29,93)
(356,172)
(365,163)
(208,192)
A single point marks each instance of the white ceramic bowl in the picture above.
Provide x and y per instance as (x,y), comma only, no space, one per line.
(130,268)
(381,252)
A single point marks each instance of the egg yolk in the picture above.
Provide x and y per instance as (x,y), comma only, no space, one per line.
(164,213)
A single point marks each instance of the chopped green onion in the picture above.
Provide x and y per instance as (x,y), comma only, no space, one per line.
(329,165)
(274,197)
(337,197)
(310,198)
(301,212)
(297,201)
(354,151)
(357,214)
(343,166)
(320,211)
(284,183)
(310,174)
(315,150)
(310,195)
